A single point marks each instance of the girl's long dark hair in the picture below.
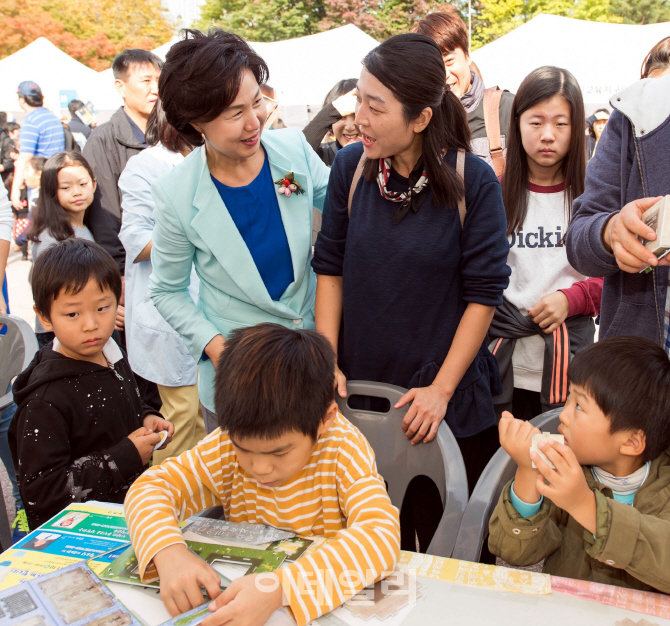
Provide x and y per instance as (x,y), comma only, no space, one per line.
(411,66)
(48,214)
(540,85)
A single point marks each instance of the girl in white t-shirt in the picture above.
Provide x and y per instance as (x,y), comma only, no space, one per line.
(544,173)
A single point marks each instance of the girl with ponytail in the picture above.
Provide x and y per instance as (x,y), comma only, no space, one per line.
(405,289)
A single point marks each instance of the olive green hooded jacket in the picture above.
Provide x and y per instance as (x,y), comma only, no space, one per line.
(631,547)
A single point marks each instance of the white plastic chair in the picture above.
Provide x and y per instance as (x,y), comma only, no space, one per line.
(17,349)
(500,470)
(399,462)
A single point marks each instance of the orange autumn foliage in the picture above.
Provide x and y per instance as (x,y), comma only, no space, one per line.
(92,32)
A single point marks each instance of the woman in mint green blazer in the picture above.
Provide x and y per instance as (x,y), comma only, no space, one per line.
(221,211)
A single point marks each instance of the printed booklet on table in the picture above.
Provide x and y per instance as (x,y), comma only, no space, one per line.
(69,597)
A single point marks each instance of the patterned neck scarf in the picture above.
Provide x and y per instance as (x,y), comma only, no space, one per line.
(412,197)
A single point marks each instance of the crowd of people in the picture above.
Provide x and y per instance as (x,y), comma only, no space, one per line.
(196,319)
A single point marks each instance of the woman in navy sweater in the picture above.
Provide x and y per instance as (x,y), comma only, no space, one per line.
(404,293)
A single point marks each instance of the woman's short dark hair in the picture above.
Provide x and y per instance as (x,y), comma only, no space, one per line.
(657,59)
(271,380)
(629,379)
(69,265)
(543,84)
(411,66)
(340,88)
(48,214)
(202,75)
(132,57)
(447,30)
(160,131)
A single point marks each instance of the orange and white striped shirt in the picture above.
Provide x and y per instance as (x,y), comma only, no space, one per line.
(337,495)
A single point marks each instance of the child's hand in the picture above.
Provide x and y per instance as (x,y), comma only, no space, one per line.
(515,438)
(567,487)
(144,440)
(246,602)
(550,311)
(182,573)
(159,424)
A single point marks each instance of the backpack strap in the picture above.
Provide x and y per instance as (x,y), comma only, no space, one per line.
(492,97)
(460,170)
(354,181)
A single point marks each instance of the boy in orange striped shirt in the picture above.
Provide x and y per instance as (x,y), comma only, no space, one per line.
(284,457)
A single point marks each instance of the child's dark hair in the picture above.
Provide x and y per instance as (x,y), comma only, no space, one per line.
(69,265)
(49,215)
(271,380)
(38,163)
(629,378)
(543,84)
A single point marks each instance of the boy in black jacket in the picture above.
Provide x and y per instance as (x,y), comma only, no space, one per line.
(81,431)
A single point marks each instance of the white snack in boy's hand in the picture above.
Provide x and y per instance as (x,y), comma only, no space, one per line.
(546,437)
(163,434)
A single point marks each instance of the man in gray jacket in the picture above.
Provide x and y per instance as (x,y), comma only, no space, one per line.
(627,175)
(111,144)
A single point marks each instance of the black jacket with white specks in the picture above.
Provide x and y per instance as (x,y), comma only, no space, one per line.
(69,436)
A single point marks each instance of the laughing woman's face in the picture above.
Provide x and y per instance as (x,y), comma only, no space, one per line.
(346,131)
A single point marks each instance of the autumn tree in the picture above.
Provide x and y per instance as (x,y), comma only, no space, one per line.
(642,11)
(264,20)
(92,32)
(499,17)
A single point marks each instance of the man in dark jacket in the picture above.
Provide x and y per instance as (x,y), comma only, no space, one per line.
(111,144)
(629,170)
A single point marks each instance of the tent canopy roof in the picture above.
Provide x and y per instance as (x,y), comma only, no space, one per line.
(603,57)
(53,70)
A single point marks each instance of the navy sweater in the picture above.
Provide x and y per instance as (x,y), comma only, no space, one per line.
(406,286)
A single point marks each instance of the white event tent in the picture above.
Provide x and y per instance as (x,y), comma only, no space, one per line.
(603,57)
(303,70)
(54,71)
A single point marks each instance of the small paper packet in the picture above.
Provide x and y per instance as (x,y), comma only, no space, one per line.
(546,437)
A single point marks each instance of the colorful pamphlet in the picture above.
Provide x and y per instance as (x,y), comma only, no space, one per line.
(69,597)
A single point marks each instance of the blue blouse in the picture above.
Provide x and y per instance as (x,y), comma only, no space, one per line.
(255,211)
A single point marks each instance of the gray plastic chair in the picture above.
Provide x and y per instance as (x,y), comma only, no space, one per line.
(499,471)
(17,349)
(399,462)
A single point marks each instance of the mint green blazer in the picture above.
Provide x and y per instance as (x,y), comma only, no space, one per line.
(194,229)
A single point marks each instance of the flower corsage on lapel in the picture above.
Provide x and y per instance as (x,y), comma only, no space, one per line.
(289,185)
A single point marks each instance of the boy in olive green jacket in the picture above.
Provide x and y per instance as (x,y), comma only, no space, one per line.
(603,513)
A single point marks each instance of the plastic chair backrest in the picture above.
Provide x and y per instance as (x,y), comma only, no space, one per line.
(17,349)
(499,471)
(399,462)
